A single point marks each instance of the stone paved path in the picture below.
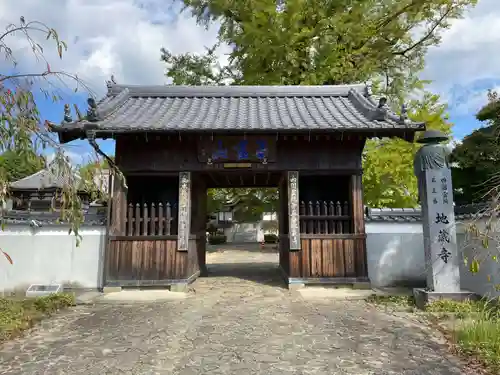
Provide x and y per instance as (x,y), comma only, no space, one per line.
(241,324)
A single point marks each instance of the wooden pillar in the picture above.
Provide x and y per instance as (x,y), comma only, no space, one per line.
(184,216)
(358,222)
(118,206)
(283,225)
(198,223)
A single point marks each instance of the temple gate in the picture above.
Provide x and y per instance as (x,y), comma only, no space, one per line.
(175,142)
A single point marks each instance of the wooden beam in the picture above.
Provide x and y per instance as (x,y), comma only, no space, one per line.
(212,177)
(282,178)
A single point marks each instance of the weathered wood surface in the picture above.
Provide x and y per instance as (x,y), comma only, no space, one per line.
(328,257)
(284,254)
(293,210)
(151,260)
(118,207)
(184,215)
(359,219)
(142,261)
(224,149)
(325,217)
(151,219)
(157,153)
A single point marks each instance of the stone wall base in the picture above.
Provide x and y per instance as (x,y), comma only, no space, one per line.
(423,297)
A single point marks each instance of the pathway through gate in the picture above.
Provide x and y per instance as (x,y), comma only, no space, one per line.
(240,320)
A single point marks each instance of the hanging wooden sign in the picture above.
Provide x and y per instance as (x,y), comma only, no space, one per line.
(237,149)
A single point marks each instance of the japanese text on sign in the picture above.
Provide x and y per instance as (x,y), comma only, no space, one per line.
(434,192)
(443,237)
(237,149)
(444,190)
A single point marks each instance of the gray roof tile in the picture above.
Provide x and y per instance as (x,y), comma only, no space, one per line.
(405,215)
(49,218)
(47,178)
(248,108)
(43,179)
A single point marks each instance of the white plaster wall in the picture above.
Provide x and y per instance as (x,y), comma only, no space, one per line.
(242,232)
(394,251)
(395,254)
(247,232)
(396,257)
(49,254)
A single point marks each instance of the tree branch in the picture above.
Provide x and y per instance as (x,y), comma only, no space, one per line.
(426,36)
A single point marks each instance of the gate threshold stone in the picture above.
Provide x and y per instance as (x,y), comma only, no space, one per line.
(131,296)
(348,293)
(334,293)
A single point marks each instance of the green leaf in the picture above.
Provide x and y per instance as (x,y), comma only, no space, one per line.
(474,266)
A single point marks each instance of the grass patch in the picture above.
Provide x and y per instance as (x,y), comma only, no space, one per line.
(480,338)
(19,314)
(477,333)
(388,300)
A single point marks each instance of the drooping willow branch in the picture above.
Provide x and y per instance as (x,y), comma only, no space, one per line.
(91,139)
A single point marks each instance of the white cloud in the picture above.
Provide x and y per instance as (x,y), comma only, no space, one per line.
(119,37)
(467,62)
(77,157)
(123,38)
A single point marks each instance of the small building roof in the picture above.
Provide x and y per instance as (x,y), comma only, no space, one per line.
(128,108)
(43,179)
(46,179)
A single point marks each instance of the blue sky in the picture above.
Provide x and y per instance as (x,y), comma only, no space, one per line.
(123,38)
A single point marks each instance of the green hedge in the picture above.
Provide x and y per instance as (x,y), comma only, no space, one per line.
(217,239)
(18,314)
(270,238)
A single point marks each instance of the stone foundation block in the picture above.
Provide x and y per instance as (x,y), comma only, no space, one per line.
(111,289)
(294,287)
(424,297)
(364,285)
(179,287)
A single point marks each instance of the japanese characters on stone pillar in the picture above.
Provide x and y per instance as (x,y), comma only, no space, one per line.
(184,220)
(436,198)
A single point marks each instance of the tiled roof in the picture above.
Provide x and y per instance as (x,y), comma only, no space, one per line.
(465,212)
(44,179)
(243,108)
(393,214)
(38,219)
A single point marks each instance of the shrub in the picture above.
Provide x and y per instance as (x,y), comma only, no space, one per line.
(270,238)
(54,302)
(18,314)
(217,239)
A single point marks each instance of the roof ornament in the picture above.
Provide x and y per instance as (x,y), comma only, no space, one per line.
(382,103)
(78,113)
(368,89)
(67,113)
(110,83)
(92,110)
(380,113)
(403,117)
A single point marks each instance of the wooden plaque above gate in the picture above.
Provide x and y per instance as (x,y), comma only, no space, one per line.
(237,149)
